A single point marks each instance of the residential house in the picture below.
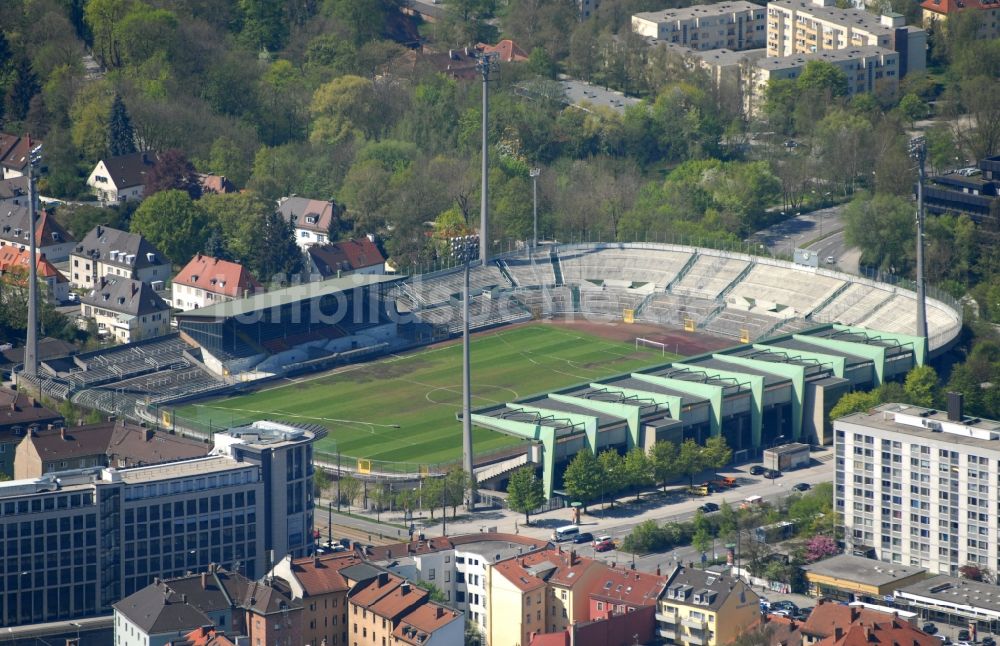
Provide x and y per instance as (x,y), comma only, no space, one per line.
(613,630)
(311,219)
(988,14)
(116,444)
(318,583)
(218,184)
(588,7)
(831,616)
(811,26)
(703,608)
(19,412)
(126,309)
(50,236)
(506,50)
(890,630)
(541,591)
(14,155)
(734,25)
(456,565)
(207,281)
(458,64)
(620,591)
(335,259)
(204,636)
(166,610)
(13,192)
(380,611)
(430,625)
(110,252)
(121,178)
(14,268)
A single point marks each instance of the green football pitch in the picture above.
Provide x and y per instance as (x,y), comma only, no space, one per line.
(402,408)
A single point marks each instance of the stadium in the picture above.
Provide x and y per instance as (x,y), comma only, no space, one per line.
(596,328)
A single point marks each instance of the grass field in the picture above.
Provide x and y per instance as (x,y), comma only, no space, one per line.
(421,392)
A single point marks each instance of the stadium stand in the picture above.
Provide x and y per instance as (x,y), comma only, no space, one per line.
(771,284)
(733,323)
(709,276)
(531,270)
(672,309)
(854,304)
(435,289)
(620,263)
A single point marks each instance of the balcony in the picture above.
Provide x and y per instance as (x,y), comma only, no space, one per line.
(695,638)
(667,618)
(693,624)
(667,633)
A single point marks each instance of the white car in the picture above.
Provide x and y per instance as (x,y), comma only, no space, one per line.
(830,260)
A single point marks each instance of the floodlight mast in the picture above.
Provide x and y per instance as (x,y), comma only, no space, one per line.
(534,173)
(30,367)
(463,248)
(918,151)
(486,64)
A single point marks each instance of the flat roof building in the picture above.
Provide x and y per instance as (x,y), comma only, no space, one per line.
(850,577)
(953,601)
(919,486)
(726,25)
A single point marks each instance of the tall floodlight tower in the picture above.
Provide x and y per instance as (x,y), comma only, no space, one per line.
(31,346)
(487,64)
(534,173)
(918,151)
(464,249)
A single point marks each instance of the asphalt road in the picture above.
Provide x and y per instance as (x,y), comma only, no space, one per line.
(821,231)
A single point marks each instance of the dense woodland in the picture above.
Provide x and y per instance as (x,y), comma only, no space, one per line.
(308,97)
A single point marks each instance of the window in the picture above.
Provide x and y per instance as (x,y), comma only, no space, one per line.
(430,575)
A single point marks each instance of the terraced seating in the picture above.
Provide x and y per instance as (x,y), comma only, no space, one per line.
(483,313)
(656,266)
(708,276)
(435,289)
(734,322)
(608,302)
(799,289)
(531,270)
(550,301)
(673,309)
(853,304)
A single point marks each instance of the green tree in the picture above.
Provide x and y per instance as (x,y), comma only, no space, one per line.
(716,453)
(663,456)
(921,386)
(823,79)
(882,226)
(265,24)
(276,255)
(173,223)
(855,402)
(240,219)
(456,483)
(103,18)
(582,478)
(321,482)
(913,108)
(638,470)
(343,108)
(728,520)
(121,137)
(172,170)
(690,460)
(613,475)
(436,595)
(350,488)
(230,160)
(24,87)
(525,492)
(433,494)
(701,540)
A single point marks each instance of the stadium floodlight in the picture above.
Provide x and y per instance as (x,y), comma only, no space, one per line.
(30,367)
(486,64)
(534,173)
(465,249)
(918,152)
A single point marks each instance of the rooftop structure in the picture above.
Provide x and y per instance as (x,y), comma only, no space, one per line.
(311,219)
(206,280)
(345,257)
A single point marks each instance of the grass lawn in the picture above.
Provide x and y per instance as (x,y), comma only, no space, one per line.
(420,392)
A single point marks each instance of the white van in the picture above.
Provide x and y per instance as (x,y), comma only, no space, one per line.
(565,533)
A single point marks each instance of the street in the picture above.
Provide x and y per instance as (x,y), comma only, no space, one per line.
(821,231)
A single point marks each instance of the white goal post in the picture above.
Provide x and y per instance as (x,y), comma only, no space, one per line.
(649,342)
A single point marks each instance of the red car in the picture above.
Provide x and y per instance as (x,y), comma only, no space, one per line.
(604,544)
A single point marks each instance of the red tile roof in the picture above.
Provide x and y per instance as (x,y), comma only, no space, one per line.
(416,626)
(551,639)
(206,636)
(508,50)
(948,7)
(322,575)
(531,571)
(889,633)
(13,258)
(346,255)
(218,276)
(387,595)
(628,587)
(828,615)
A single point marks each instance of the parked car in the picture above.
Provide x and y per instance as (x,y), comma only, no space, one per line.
(778,612)
(801,486)
(604,544)
(771,474)
(830,260)
(964,636)
(709,507)
(583,537)
(962,642)
(929,628)
(988,641)
(757,470)
(803,614)
(787,606)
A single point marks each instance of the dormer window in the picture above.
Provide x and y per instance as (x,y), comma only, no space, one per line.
(56,236)
(312,219)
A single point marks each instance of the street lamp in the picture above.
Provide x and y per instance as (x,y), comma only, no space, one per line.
(534,173)
(464,249)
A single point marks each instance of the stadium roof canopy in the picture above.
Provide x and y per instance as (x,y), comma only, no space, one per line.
(287,295)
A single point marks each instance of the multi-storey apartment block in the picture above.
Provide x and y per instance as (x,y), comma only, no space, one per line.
(726,25)
(808,26)
(920,487)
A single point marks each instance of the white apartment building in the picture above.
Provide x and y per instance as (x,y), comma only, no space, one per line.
(734,25)
(921,487)
(809,26)
(868,69)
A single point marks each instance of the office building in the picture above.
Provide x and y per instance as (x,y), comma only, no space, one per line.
(919,486)
(987,14)
(735,25)
(847,577)
(75,542)
(808,26)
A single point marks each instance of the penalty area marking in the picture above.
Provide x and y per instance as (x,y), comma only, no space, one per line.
(458,391)
(371,425)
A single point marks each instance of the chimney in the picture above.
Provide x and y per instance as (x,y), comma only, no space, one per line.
(134,288)
(855,613)
(439,612)
(404,588)
(204,580)
(572,557)
(62,433)
(184,598)
(383,578)
(657,570)
(148,432)
(955,406)
(838,633)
